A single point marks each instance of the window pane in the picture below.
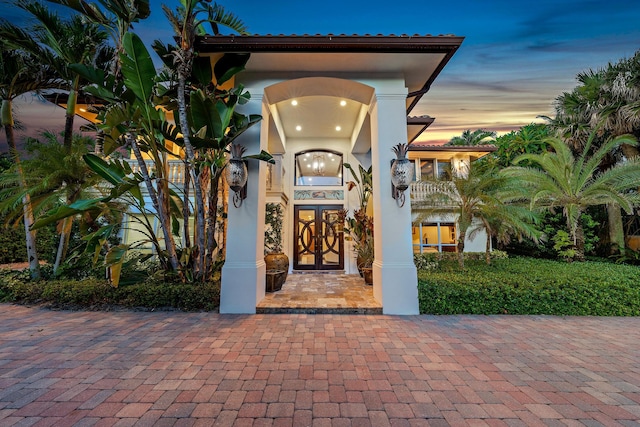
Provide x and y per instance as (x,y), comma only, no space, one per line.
(444,170)
(319,168)
(426,169)
(448,233)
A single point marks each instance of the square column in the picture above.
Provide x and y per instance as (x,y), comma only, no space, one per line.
(395,280)
(243,273)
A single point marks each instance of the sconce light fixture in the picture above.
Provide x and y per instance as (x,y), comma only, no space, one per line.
(401,173)
(237,174)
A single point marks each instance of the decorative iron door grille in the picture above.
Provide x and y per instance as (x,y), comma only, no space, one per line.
(319,240)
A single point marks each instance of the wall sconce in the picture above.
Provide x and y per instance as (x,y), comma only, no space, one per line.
(237,174)
(401,173)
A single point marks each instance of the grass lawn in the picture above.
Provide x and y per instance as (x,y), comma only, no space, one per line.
(530,286)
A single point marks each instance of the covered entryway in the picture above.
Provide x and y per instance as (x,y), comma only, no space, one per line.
(318,238)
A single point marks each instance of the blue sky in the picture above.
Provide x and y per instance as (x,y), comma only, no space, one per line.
(517,57)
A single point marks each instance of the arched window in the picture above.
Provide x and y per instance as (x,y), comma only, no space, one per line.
(319,168)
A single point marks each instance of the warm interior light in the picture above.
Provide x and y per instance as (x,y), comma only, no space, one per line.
(338,128)
(298,128)
(84,110)
(343,103)
(294,102)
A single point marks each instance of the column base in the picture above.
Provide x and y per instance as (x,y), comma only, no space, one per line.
(395,286)
(242,287)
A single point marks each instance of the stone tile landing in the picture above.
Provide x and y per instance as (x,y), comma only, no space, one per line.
(321,293)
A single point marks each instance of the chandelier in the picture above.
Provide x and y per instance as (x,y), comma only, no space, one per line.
(317,164)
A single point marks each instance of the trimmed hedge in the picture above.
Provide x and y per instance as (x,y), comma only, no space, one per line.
(531,286)
(95,294)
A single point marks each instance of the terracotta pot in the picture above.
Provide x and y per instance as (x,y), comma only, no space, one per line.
(367,274)
(278,261)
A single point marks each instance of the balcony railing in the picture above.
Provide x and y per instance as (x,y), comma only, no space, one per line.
(174,169)
(420,190)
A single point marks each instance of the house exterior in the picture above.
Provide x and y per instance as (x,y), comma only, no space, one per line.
(437,162)
(326,101)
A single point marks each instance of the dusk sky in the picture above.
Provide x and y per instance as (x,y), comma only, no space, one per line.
(517,57)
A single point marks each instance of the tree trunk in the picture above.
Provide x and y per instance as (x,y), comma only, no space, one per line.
(186,208)
(212,219)
(63,243)
(616,229)
(28,219)
(579,242)
(461,239)
(487,250)
(191,158)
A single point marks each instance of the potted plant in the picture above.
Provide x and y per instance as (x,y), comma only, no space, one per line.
(275,259)
(359,229)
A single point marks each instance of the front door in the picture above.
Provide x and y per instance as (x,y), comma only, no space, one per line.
(319,240)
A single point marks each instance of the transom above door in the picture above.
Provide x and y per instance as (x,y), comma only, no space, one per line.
(319,240)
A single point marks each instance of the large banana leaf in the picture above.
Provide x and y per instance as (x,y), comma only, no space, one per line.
(138,69)
(117,173)
(65,212)
(204,114)
(263,156)
(229,65)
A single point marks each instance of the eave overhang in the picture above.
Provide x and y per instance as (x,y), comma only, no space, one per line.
(378,52)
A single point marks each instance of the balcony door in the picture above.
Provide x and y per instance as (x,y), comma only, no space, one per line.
(319,240)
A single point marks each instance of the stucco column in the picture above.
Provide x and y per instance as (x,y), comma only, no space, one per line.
(395,282)
(243,273)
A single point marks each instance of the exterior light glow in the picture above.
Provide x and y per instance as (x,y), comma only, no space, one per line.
(298,128)
(343,103)
(294,102)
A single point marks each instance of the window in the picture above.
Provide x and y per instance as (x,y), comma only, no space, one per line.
(434,237)
(318,168)
(432,168)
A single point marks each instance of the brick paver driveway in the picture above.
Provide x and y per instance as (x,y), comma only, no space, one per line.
(129,368)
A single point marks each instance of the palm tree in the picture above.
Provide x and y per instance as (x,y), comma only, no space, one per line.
(114,16)
(572,183)
(52,174)
(607,102)
(187,26)
(477,137)
(474,196)
(60,43)
(20,73)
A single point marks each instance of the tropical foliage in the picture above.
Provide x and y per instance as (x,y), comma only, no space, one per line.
(477,137)
(565,182)
(474,196)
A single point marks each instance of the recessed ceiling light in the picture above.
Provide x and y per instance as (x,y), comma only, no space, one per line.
(338,128)
(294,102)
(298,128)
(343,103)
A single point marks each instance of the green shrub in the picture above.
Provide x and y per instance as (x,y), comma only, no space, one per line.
(531,286)
(91,293)
(431,260)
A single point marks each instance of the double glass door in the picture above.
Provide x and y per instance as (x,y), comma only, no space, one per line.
(319,240)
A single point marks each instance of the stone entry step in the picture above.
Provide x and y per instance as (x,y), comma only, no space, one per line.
(320,293)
